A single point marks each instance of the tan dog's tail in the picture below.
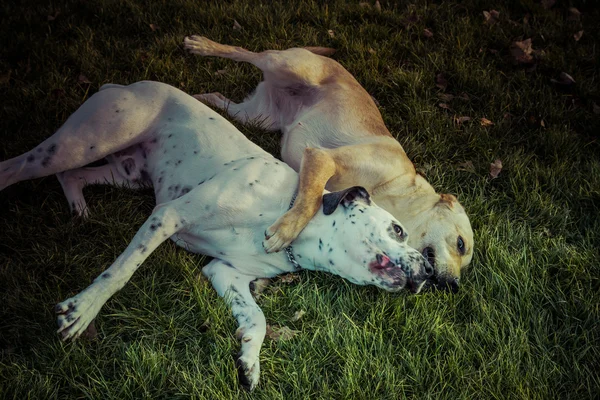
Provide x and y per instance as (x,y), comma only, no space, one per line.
(322,51)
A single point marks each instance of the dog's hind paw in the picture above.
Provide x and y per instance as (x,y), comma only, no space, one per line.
(248,372)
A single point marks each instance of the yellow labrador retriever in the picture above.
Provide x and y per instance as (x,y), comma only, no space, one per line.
(333,134)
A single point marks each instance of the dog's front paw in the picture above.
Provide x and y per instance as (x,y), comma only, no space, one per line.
(248,372)
(282,233)
(74,316)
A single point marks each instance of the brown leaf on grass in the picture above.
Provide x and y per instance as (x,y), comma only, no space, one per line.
(259,285)
(522,52)
(371,50)
(364,4)
(5,78)
(463,96)
(574,14)
(440,81)
(280,333)
(485,122)
(298,314)
(495,168)
(508,115)
(526,19)
(547,4)
(236,26)
(595,108)
(154,27)
(330,33)
(466,166)
(564,79)
(577,36)
(83,79)
(90,332)
(377,6)
(220,72)
(289,278)
(542,123)
(444,106)
(53,17)
(446,97)
(427,33)
(461,120)
(491,17)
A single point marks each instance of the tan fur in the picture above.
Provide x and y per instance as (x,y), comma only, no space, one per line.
(333,120)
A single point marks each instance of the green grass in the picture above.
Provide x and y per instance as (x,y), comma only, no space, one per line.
(526,322)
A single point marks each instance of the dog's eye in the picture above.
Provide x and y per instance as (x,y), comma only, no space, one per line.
(460,243)
(398,229)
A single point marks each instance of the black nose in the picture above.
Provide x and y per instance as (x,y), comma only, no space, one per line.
(454,286)
(427,269)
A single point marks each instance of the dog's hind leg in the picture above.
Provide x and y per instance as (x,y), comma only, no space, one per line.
(290,79)
(73,182)
(235,288)
(111,120)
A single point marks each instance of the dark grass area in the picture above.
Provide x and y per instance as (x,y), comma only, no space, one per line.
(526,322)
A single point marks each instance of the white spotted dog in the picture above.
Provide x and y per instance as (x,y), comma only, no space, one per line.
(335,137)
(216,194)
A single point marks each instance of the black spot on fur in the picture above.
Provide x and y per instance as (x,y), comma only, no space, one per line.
(106,275)
(200,183)
(46,161)
(169,119)
(170,135)
(152,227)
(153,140)
(221,253)
(160,179)
(331,262)
(195,151)
(30,158)
(211,118)
(92,147)
(142,248)
(320,244)
(174,146)
(333,223)
(51,149)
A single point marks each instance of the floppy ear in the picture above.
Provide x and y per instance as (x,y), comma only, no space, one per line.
(332,200)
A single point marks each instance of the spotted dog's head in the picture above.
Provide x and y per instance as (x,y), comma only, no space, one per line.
(363,243)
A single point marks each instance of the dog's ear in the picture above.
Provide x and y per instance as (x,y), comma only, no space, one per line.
(344,197)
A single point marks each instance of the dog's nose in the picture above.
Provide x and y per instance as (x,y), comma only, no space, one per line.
(454,286)
(427,269)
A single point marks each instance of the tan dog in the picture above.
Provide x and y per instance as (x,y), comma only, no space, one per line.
(333,134)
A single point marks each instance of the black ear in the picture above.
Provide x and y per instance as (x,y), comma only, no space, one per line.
(332,200)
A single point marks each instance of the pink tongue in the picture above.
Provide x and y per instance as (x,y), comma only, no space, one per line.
(384,261)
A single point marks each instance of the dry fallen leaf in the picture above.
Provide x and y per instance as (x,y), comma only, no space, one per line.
(564,79)
(427,33)
(281,333)
(440,81)
(542,123)
(220,72)
(463,96)
(289,278)
(377,6)
(466,166)
(444,106)
(330,33)
(259,285)
(371,50)
(577,36)
(236,26)
(83,79)
(460,120)
(446,97)
(491,17)
(495,168)
(298,314)
(574,14)
(596,108)
(548,3)
(486,122)
(522,51)
(154,27)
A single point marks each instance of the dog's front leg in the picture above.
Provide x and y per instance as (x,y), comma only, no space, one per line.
(235,288)
(316,168)
(76,313)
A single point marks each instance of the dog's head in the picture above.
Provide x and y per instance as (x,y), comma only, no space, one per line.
(442,232)
(363,243)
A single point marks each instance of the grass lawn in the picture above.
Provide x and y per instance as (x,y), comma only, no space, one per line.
(526,323)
